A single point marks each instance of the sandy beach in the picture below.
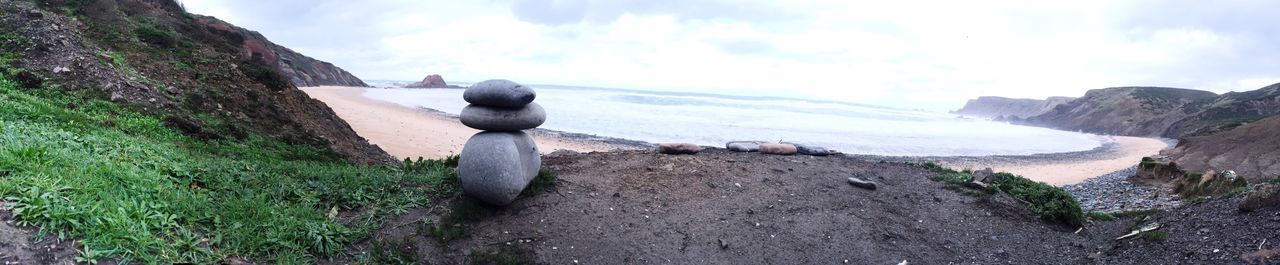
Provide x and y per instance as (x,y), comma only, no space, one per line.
(406,132)
(1069,168)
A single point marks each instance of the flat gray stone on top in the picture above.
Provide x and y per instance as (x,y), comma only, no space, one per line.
(499,93)
(499,119)
(495,167)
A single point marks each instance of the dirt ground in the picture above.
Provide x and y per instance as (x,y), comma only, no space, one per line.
(17,245)
(720,207)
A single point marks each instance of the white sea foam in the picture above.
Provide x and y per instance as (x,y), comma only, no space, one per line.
(713,120)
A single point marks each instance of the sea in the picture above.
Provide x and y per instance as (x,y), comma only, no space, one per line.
(713,120)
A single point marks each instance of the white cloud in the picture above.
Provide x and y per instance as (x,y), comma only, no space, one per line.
(915,54)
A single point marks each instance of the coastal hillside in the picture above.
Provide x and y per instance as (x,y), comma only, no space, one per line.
(1226,111)
(301,70)
(1009,108)
(1250,150)
(209,79)
(1132,111)
(1161,112)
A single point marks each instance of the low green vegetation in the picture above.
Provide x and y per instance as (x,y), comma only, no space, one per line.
(390,253)
(1155,235)
(1196,184)
(452,225)
(1147,162)
(545,179)
(131,189)
(1100,216)
(1045,201)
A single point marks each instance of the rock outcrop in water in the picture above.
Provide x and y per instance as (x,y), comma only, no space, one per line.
(1009,108)
(431,81)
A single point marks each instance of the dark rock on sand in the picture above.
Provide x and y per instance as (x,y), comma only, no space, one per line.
(812,150)
(500,119)
(1261,196)
(778,149)
(499,93)
(496,166)
(679,148)
(743,146)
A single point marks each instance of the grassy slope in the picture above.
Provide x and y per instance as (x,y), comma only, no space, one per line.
(132,189)
(1047,202)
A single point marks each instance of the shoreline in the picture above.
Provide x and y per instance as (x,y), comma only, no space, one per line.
(408,132)
(1058,169)
(432,133)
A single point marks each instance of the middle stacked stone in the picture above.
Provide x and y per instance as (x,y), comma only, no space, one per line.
(498,163)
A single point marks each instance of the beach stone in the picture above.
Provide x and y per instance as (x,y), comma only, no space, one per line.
(812,150)
(679,148)
(742,146)
(499,93)
(495,166)
(499,119)
(778,149)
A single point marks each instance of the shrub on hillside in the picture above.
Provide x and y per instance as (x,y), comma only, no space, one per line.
(1046,201)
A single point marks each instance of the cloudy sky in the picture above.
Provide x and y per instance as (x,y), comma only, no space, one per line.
(914,54)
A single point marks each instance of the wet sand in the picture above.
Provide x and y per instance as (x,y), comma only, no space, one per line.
(406,132)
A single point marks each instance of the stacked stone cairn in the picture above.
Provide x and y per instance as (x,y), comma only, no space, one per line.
(499,162)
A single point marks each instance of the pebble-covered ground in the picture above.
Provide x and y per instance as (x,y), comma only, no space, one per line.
(1114,192)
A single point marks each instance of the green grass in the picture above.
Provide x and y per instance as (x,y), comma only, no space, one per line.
(1100,216)
(1046,201)
(1155,235)
(1147,162)
(543,180)
(453,225)
(131,189)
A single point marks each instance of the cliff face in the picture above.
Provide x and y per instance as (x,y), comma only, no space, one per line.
(1134,111)
(1009,108)
(1250,150)
(209,81)
(299,69)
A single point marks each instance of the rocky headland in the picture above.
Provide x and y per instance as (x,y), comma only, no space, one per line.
(1002,108)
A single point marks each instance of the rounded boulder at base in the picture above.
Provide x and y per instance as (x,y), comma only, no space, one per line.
(495,167)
